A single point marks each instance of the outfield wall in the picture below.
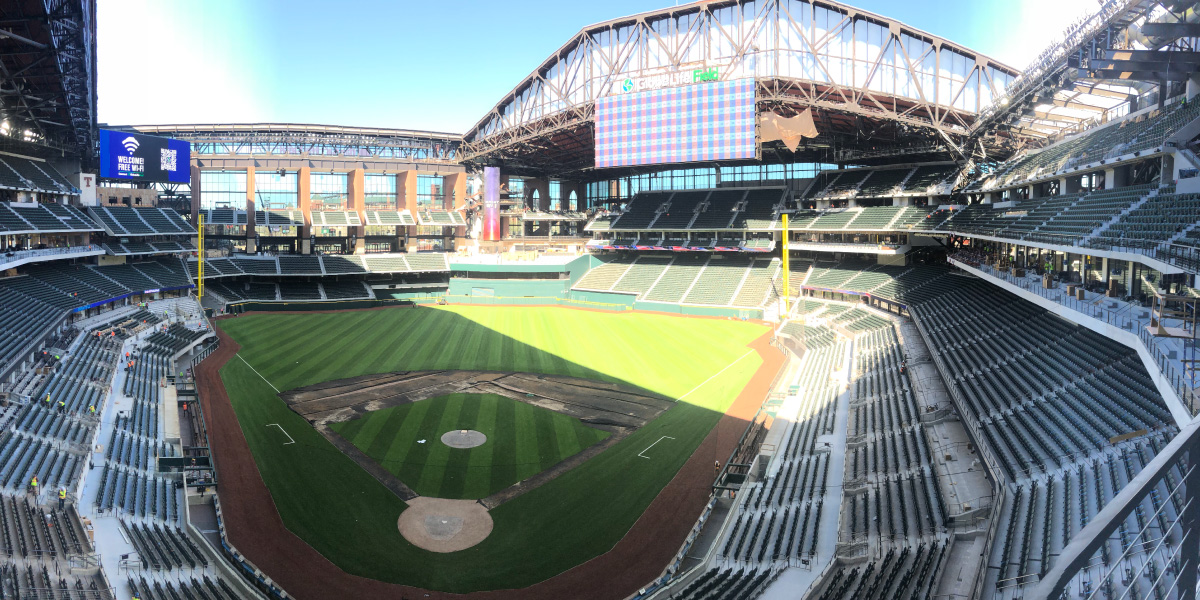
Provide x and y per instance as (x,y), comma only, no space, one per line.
(241,307)
(508,288)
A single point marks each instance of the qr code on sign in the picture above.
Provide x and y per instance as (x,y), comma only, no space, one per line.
(168,160)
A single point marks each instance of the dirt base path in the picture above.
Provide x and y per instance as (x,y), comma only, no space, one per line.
(255,528)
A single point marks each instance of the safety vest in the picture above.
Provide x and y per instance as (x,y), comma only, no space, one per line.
(34,482)
(61,404)
(62,494)
(92,409)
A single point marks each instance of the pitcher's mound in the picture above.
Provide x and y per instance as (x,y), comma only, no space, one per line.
(463,438)
(440,525)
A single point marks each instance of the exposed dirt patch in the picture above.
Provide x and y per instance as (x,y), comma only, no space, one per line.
(608,406)
(440,525)
(619,409)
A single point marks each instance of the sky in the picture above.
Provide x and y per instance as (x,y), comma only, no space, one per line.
(428,65)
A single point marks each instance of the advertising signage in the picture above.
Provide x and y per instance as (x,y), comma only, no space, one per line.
(140,157)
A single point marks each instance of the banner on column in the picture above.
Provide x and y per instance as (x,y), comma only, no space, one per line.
(491,204)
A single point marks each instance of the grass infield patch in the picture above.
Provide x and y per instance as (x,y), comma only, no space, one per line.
(522,441)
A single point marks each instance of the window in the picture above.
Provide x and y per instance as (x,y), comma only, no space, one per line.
(615,190)
(223,189)
(379,192)
(328,191)
(273,191)
(429,191)
(555,195)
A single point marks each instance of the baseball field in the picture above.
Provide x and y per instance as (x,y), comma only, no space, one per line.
(334,505)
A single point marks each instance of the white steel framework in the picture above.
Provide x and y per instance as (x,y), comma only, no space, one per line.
(850,64)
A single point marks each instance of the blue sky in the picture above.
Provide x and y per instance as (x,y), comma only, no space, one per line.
(415,64)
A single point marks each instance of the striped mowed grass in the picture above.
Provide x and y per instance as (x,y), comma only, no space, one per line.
(522,440)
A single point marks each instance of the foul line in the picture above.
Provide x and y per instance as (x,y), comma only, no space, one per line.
(259,374)
(284,432)
(665,437)
(748,353)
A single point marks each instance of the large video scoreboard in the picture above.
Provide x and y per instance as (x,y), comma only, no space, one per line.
(703,122)
(144,157)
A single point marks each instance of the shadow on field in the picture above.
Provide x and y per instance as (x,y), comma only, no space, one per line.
(600,530)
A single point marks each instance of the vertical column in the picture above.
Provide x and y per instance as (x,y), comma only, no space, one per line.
(406,192)
(196,191)
(542,187)
(304,202)
(355,192)
(401,231)
(566,188)
(581,198)
(251,236)
(195,185)
(454,194)
(1189,525)
(504,221)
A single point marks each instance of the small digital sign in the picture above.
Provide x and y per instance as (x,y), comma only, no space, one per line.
(134,156)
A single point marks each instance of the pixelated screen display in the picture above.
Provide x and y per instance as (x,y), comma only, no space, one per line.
(703,122)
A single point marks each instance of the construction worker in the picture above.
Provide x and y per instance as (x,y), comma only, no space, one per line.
(33,486)
(92,409)
(62,407)
(62,498)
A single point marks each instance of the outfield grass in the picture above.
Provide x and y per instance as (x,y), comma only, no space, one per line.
(522,441)
(334,505)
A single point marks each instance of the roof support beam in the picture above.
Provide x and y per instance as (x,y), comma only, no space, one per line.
(1171,30)
(1094,90)
(24,40)
(1174,56)
(1138,65)
(1164,75)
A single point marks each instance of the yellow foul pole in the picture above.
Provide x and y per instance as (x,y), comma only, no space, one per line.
(785,265)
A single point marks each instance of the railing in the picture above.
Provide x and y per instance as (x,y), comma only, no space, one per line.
(15,255)
(1178,559)
(1179,255)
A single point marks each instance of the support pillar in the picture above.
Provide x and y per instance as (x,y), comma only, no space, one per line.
(304,202)
(196,193)
(454,194)
(354,196)
(406,192)
(251,238)
(505,222)
(542,187)
(195,186)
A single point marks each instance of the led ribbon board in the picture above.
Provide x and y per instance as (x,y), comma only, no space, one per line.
(702,122)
